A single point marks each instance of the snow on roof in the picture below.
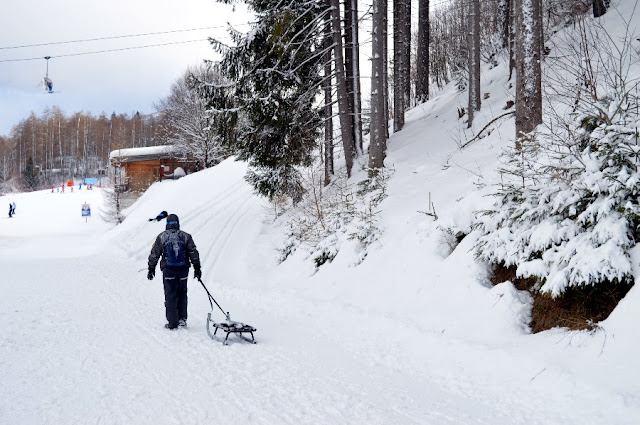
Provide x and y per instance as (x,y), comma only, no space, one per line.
(139,152)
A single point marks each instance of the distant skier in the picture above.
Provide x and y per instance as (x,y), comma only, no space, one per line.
(178,252)
(13,208)
(10,210)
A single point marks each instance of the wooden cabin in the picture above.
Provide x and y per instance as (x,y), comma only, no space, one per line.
(141,167)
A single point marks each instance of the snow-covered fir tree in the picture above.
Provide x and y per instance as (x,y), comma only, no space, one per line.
(271,114)
(570,219)
(567,211)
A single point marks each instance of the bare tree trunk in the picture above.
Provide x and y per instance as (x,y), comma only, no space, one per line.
(85,142)
(378,102)
(352,69)
(348,58)
(399,27)
(357,94)
(346,124)
(110,139)
(422,77)
(133,132)
(77,152)
(528,68)
(513,12)
(328,104)
(385,75)
(407,55)
(504,17)
(474,58)
(33,140)
(60,142)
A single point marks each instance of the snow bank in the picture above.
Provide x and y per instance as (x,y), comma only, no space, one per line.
(414,334)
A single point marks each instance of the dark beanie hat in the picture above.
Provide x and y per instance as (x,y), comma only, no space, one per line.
(173,222)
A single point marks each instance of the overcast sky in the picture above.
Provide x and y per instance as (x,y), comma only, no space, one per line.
(122,81)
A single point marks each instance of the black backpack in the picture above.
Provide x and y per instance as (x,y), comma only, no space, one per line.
(175,249)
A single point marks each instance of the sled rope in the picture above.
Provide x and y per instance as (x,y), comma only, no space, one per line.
(212,299)
(229,327)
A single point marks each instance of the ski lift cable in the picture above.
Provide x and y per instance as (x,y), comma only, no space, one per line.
(117,37)
(105,51)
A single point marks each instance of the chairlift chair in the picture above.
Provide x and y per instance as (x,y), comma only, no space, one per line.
(46,81)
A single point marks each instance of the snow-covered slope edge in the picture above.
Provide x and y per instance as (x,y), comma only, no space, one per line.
(409,303)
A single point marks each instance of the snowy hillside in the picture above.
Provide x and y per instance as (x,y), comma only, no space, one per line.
(414,334)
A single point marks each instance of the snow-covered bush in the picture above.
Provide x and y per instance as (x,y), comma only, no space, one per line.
(569,219)
(328,216)
(567,211)
(371,192)
(449,239)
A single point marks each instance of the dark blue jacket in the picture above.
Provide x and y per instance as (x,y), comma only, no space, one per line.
(157,251)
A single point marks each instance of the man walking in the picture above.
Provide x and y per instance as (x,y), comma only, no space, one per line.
(177,252)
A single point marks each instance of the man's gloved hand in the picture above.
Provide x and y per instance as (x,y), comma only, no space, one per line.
(151,274)
(197,273)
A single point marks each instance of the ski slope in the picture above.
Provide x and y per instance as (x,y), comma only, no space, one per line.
(412,335)
(84,342)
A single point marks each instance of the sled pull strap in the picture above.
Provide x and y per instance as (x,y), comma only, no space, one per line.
(212,299)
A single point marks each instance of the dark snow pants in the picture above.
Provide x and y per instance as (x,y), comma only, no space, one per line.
(175,294)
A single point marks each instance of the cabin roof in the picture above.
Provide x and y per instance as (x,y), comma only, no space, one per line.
(144,154)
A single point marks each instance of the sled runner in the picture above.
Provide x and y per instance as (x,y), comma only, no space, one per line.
(228,326)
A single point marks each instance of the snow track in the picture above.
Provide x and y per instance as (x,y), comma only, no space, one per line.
(85,342)
(94,350)
(83,338)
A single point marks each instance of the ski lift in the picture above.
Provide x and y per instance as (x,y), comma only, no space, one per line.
(46,81)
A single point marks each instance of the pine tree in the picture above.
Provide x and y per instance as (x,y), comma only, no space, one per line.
(568,210)
(568,215)
(269,113)
(30,174)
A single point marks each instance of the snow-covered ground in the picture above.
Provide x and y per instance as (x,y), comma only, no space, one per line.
(412,335)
